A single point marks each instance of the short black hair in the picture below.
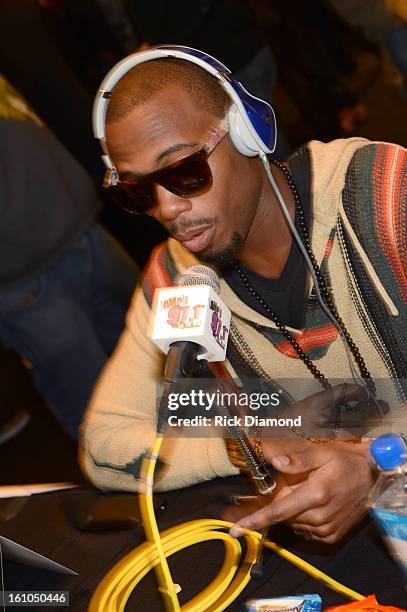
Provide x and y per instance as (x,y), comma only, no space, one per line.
(144,80)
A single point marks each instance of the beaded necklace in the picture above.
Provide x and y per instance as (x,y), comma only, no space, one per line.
(327,296)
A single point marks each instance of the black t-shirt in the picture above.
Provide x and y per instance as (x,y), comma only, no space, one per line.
(285,295)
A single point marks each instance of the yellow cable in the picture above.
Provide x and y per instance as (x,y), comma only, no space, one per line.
(167,587)
(314,572)
(113,592)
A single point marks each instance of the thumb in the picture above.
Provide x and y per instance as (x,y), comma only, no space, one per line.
(303,461)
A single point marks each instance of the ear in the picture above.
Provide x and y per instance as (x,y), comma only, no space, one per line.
(241,134)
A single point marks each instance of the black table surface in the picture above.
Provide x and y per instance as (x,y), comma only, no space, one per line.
(44,525)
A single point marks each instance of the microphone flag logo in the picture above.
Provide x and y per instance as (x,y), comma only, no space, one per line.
(194,313)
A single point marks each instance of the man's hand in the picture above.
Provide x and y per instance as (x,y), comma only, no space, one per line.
(337,478)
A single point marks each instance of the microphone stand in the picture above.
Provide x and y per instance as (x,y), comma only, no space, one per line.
(182,362)
(259,474)
(261,477)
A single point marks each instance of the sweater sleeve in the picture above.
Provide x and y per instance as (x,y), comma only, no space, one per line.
(119,426)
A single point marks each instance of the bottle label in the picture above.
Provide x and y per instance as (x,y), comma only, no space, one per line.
(393,528)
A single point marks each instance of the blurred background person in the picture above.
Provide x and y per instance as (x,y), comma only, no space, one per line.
(65,284)
(310,44)
(381,20)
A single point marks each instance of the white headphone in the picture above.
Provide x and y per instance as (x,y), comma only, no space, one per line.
(252,123)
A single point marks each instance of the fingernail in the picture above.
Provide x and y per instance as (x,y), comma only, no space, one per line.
(283,460)
(236,531)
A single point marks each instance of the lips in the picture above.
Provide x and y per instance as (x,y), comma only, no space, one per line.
(198,239)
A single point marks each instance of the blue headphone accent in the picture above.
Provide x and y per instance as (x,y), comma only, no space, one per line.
(260,114)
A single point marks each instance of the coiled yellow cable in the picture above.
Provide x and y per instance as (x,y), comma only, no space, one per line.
(113,592)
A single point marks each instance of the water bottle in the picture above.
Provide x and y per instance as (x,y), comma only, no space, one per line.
(388,498)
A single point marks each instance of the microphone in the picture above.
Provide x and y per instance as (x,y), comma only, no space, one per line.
(191,324)
(192,312)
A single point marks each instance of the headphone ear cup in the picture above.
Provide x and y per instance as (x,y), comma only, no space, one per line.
(241,134)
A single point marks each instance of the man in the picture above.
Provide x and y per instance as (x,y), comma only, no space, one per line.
(165,110)
(65,284)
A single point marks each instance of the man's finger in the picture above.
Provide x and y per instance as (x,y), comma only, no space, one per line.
(303,461)
(325,533)
(245,507)
(315,517)
(303,498)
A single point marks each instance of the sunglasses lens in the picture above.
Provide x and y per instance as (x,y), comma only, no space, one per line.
(135,199)
(190,177)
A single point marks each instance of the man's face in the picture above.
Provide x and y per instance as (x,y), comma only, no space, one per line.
(169,127)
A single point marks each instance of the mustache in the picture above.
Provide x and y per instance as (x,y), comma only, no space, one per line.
(182,227)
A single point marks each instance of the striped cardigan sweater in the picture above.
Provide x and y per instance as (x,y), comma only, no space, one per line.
(358,235)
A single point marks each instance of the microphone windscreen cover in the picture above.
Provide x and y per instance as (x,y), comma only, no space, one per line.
(200,275)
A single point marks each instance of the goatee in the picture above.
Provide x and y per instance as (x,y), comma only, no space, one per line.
(225,258)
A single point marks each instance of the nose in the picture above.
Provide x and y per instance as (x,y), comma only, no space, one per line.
(168,205)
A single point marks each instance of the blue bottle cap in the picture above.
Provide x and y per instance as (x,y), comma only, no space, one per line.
(389,451)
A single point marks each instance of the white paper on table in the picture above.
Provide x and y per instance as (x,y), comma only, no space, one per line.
(25,490)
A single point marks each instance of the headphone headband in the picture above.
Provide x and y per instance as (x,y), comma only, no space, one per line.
(251,120)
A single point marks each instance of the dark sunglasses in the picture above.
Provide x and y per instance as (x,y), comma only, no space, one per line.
(187,177)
